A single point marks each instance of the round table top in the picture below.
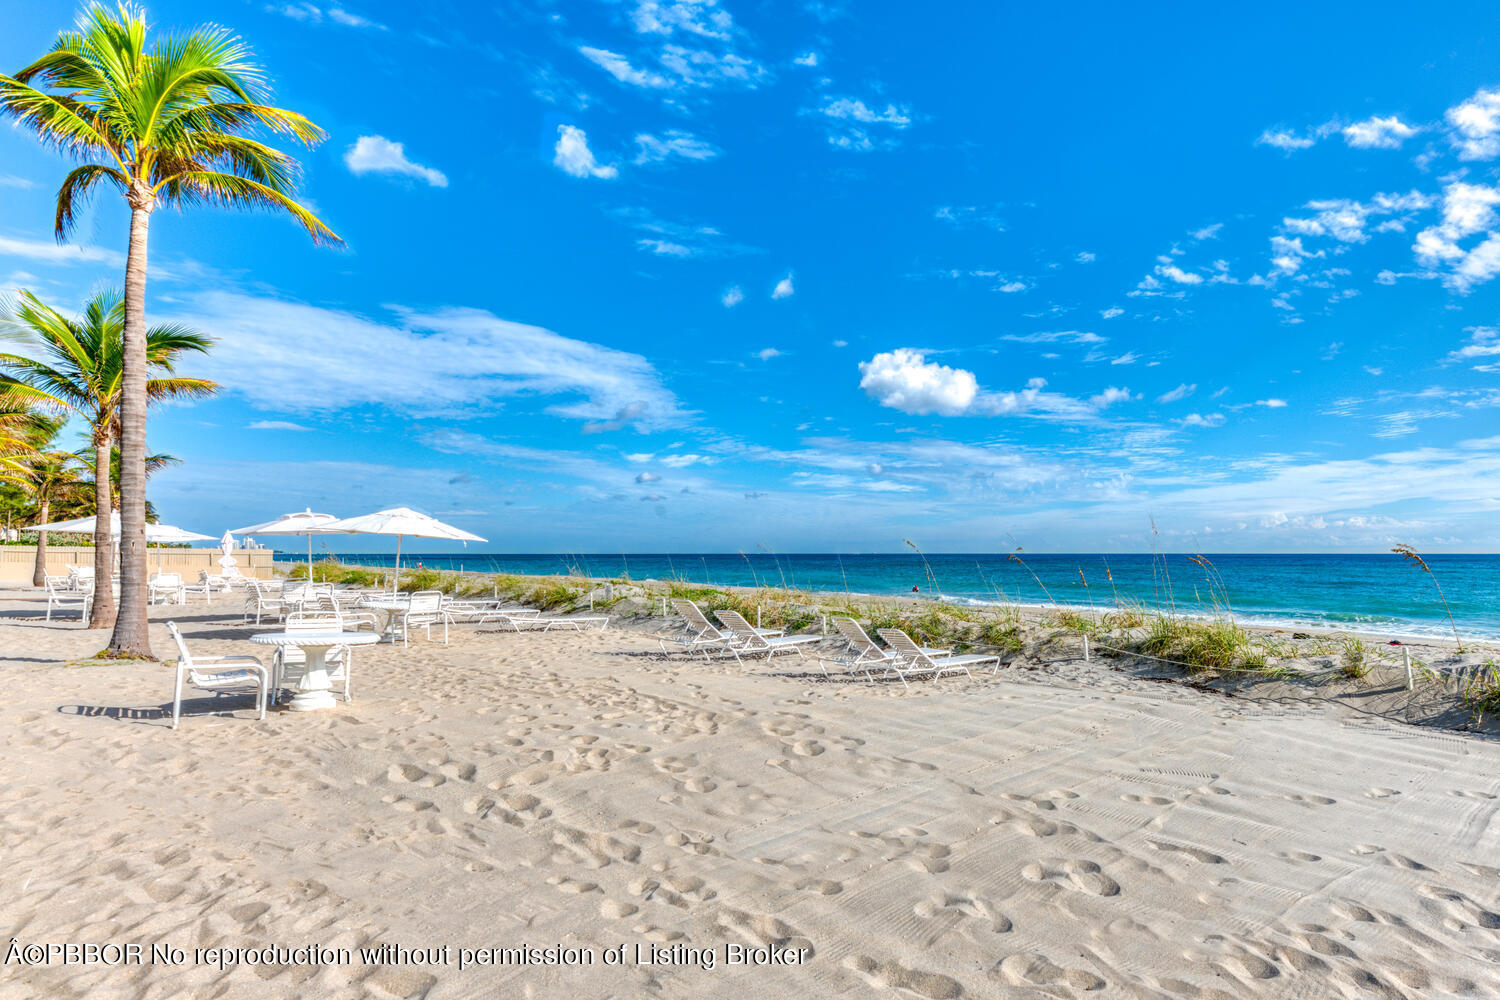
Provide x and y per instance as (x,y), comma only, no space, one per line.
(388,603)
(315,638)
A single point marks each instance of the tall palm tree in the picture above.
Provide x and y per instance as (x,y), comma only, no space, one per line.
(90,460)
(50,476)
(76,366)
(170,122)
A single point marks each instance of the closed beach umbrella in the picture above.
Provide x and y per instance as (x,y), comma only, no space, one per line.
(402,522)
(226,546)
(304,523)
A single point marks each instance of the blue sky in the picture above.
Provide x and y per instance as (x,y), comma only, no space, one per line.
(666,275)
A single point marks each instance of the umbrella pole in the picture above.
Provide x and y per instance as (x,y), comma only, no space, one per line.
(397,588)
(309,559)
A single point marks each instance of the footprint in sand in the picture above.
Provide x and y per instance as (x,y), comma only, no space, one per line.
(890,975)
(1146,800)
(1381,793)
(415,775)
(1316,800)
(1022,969)
(1196,853)
(1082,875)
(1297,856)
(962,909)
(405,804)
(1465,793)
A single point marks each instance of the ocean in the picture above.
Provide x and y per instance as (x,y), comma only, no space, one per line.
(1378,593)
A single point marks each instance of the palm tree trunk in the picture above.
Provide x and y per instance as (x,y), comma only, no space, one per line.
(39,572)
(102,613)
(130,638)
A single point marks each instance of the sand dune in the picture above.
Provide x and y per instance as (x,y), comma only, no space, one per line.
(1034,834)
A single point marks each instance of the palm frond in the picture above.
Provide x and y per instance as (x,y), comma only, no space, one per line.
(210,187)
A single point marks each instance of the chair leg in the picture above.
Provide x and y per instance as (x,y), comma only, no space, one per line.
(177,699)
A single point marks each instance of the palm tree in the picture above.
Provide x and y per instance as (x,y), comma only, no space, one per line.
(49,476)
(169,123)
(90,460)
(76,367)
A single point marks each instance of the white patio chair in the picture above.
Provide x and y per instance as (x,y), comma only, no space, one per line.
(234,578)
(62,596)
(697,632)
(214,673)
(166,588)
(424,610)
(328,606)
(81,578)
(751,640)
(264,600)
(913,659)
(207,585)
(339,660)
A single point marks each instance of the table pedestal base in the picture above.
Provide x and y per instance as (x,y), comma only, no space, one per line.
(313,691)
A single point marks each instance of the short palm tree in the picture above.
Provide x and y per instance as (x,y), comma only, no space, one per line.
(50,477)
(75,367)
(170,122)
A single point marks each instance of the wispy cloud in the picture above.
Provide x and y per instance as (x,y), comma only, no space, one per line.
(856,126)
(675,239)
(733,296)
(672,145)
(276,425)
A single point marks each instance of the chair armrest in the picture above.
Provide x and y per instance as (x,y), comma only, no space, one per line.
(200,660)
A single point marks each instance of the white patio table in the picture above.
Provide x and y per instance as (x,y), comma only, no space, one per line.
(313,690)
(390,607)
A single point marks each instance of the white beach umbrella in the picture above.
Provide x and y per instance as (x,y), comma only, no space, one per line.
(402,522)
(164,534)
(303,523)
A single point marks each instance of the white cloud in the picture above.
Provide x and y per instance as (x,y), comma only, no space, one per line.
(1128,358)
(647,477)
(1110,396)
(1210,232)
(1200,420)
(1274,404)
(1055,337)
(1287,255)
(767,353)
(1183,391)
(841,343)
(664,248)
(1011,287)
(1484,342)
(784,288)
(452,361)
(807,59)
(675,239)
(1085,257)
(1468,209)
(1111,312)
(701,68)
(849,120)
(11,180)
(573,155)
(341,16)
(1345,219)
(1378,133)
(682,461)
(276,425)
(704,18)
(682,145)
(1476,126)
(1283,139)
(313,14)
(905,380)
(379,155)
(620,68)
(59,253)
(1177,274)
(733,297)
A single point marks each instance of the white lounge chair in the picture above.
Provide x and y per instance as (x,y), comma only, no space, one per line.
(339,660)
(81,578)
(751,641)
(214,673)
(913,659)
(861,652)
(166,588)
(61,595)
(263,598)
(698,633)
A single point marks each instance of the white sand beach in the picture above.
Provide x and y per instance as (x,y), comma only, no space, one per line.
(1067,830)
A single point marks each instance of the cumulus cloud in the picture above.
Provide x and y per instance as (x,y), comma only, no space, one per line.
(1484,342)
(647,477)
(704,18)
(808,59)
(767,353)
(375,154)
(1475,126)
(1346,220)
(1174,273)
(905,380)
(573,156)
(1274,404)
(1378,133)
(784,289)
(733,297)
(851,121)
(1085,257)
(1468,209)
(1110,396)
(1201,420)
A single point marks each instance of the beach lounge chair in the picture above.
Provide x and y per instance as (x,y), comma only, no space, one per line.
(339,660)
(216,673)
(166,588)
(750,640)
(861,653)
(698,633)
(61,595)
(913,659)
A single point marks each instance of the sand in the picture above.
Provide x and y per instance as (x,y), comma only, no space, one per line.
(1065,831)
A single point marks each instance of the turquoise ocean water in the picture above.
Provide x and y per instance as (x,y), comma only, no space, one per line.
(1378,593)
